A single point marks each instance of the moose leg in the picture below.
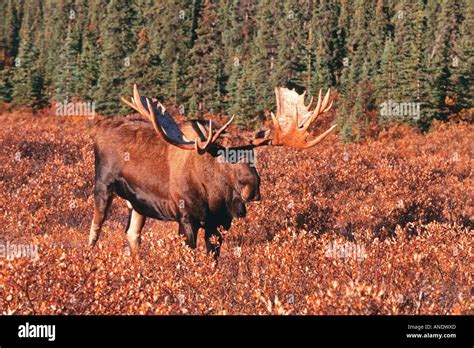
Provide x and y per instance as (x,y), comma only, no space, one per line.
(213,240)
(135,225)
(189,229)
(102,199)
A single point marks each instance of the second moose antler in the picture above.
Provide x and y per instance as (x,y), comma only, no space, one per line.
(293,118)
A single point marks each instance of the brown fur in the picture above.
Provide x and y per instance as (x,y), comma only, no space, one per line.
(165,182)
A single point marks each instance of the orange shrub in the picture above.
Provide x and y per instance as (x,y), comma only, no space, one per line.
(383,227)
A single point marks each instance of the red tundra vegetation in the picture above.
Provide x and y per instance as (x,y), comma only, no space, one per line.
(382,227)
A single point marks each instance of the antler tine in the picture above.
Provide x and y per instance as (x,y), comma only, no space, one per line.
(201,128)
(326,99)
(139,103)
(197,142)
(131,104)
(222,129)
(163,109)
(290,110)
(310,103)
(329,107)
(320,137)
(318,105)
(278,103)
(148,111)
(150,114)
(211,136)
(320,108)
(157,126)
(314,114)
(296,122)
(153,118)
(276,128)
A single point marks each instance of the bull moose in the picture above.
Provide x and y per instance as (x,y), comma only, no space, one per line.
(180,173)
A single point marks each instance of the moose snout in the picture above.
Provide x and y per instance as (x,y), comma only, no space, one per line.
(250,193)
(238,209)
(256,196)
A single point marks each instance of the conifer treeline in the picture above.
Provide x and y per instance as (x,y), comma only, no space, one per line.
(226,56)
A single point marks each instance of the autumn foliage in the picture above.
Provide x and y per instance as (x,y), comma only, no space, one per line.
(383,227)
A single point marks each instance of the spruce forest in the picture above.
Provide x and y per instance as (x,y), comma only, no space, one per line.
(375,220)
(389,61)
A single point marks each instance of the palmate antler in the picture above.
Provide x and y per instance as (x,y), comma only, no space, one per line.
(165,126)
(293,118)
(290,124)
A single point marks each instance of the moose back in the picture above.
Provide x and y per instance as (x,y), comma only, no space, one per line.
(181,173)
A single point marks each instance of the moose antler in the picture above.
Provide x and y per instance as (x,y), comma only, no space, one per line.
(167,127)
(293,119)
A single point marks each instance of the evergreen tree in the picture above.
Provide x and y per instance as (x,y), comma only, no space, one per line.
(356,77)
(27,81)
(170,45)
(5,85)
(230,26)
(378,31)
(462,65)
(433,10)
(326,47)
(342,37)
(441,89)
(67,75)
(142,69)
(89,62)
(411,64)
(386,82)
(260,75)
(228,55)
(290,44)
(242,96)
(9,41)
(206,63)
(345,116)
(117,43)
(10,32)
(55,28)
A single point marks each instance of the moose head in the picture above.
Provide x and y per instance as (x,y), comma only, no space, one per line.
(182,173)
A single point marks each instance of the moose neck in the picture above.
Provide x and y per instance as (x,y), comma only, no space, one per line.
(215,178)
